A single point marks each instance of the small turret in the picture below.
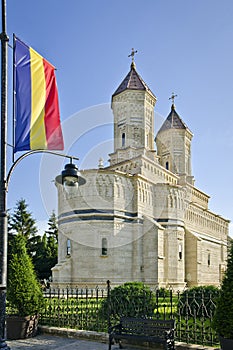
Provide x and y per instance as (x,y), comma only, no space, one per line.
(173,143)
(133,108)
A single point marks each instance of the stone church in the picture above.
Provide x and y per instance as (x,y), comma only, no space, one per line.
(141,218)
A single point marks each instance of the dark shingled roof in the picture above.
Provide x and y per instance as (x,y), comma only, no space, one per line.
(173,121)
(132,81)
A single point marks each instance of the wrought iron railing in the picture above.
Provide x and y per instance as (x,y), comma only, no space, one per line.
(74,308)
(93,309)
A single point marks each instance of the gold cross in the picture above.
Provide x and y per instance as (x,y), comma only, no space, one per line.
(173,96)
(132,54)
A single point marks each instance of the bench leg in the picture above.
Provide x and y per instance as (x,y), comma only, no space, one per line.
(170,346)
(110,343)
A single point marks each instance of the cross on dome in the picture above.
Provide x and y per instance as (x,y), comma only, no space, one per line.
(173,96)
(133,52)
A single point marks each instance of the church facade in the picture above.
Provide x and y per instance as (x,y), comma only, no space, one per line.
(141,218)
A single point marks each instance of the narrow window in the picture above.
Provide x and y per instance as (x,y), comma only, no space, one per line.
(68,247)
(180,251)
(167,165)
(123,140)
(208,259)
(104,246)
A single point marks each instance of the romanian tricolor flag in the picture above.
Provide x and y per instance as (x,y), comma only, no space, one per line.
(37,117)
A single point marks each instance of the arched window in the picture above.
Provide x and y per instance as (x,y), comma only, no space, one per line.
(104,246)
(123,139)
(68,247)
(167,165)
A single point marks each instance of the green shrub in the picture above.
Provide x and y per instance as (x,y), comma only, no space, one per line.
(162,292)
(24,293)
(223,317)
(198,301)
(132,299)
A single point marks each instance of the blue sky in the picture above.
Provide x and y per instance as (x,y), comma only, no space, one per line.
(185,46)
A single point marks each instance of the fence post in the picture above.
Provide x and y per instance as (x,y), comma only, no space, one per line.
(109,303)
(171,302)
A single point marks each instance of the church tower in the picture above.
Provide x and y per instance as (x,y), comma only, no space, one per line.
(173,143)
(133,109)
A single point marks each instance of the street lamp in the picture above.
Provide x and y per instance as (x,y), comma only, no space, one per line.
(70,177)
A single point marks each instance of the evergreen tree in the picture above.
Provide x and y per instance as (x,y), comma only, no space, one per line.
(22,223)
(53,227)
(223,317)
(23,292)
(52,241)
(42,249)
(45,256)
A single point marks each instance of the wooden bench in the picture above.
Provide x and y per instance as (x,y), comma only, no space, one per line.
(143,330)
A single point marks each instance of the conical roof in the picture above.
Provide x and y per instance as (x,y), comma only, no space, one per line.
(173,121)
(132,81)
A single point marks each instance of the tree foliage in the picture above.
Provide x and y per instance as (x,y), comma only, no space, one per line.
(53,228)
(223,318)
(45,256)
(21,222)
(42,249)
(132,299)
(24,293)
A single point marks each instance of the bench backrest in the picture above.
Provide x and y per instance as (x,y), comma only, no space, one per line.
(143,326)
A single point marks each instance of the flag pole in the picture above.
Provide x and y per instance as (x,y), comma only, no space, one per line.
(13,107)
(3,207)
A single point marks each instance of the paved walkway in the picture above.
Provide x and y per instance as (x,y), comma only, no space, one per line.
(51,342)
(68,339)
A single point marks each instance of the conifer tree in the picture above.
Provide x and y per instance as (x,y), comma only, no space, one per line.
(21,222)
(45,256)
(223,318)
(23,292)
(53,228)
(42,249)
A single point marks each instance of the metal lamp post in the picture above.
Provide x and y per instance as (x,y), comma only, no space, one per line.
(69,177)
(3,213)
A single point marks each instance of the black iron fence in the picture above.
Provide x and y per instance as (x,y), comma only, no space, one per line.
(95,309)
